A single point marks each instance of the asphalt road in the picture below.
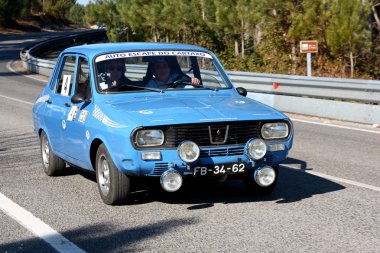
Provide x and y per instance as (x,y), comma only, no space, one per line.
(319,212)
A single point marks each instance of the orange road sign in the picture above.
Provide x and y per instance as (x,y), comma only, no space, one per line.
(309,46)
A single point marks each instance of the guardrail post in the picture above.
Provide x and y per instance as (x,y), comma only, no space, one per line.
(308,59)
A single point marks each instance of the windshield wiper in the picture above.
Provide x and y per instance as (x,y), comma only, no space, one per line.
(146,88)
(176,83)
(208,88)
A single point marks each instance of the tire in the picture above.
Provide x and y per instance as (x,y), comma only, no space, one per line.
(114,186)
(52,164)
(251,186)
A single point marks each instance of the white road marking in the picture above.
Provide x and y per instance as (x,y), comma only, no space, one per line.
(337,126)
(337,179)
(14,71)
(17,100)
(37,226)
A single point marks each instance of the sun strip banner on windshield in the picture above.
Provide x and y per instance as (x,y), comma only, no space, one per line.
(151,53)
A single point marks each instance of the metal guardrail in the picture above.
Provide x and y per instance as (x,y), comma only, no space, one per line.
(367,91)
(32,56)
(344,99)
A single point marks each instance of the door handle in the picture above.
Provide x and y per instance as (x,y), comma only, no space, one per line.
(67,105)
(48,101)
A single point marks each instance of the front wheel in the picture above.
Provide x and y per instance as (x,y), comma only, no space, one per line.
(252,186)
(52,164)
(114,186)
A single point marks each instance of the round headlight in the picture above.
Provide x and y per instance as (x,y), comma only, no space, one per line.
(256,148)
(188,151)
(265,176)
(171,181)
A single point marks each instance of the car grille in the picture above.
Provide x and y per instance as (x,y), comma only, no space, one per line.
(221,152)
(229,133)
(159,168)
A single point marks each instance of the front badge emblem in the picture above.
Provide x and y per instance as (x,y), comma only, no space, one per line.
(219,136)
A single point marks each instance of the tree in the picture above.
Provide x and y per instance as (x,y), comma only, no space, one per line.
(76,14)
(347,33)
(237,18)
(105,12)
(251,35)
(57,8)
(275,48)
(9,9)
(308,22)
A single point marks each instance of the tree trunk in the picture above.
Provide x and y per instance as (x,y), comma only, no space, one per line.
(352,64)
(242,45)
(242,39)
(377,19)
(154,35)
(258,35)
(236,47)
(158,36)
(293,58)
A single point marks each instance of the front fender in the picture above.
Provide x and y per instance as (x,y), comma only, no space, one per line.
(122,153)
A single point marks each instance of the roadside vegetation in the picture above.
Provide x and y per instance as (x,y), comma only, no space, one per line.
(248,35)
(34,15)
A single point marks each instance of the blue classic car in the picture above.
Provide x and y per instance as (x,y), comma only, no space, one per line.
(168,111)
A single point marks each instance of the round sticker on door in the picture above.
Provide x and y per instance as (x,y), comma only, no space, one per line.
(63,124)
(87,135)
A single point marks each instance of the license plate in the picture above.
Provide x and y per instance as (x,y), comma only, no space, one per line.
(219,169)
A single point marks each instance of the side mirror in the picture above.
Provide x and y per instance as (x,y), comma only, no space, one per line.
(242,91)
(77,98)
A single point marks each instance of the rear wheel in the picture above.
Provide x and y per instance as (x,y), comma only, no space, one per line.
(252,186)
(114,186)
(52,164)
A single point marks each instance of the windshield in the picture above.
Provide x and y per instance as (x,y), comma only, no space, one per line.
(157,71)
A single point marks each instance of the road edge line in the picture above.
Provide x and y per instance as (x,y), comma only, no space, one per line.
(17,100)
(333,125)
(9,67)
(37,226)
(333,178)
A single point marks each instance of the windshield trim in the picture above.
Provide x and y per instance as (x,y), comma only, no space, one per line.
(219,68)
(151,53)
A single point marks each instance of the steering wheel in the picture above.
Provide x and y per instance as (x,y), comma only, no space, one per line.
(176,83)
(113,88)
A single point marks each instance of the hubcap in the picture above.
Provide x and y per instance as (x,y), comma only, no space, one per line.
(103,175)
(45,150)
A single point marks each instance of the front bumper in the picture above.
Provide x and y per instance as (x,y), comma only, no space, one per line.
(209,156)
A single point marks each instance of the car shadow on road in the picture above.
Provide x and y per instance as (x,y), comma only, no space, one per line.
(293,185)
(103,237)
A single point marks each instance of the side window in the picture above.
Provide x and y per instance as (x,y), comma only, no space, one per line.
(66,76)
(83,78)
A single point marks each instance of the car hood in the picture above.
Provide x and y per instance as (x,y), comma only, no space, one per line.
(163,109)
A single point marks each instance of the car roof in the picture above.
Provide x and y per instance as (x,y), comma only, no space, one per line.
(92,50)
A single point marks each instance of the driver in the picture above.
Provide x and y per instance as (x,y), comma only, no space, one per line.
(115,77)
(162,76)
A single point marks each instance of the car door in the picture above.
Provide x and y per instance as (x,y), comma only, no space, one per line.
(58,105)
(76,134)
